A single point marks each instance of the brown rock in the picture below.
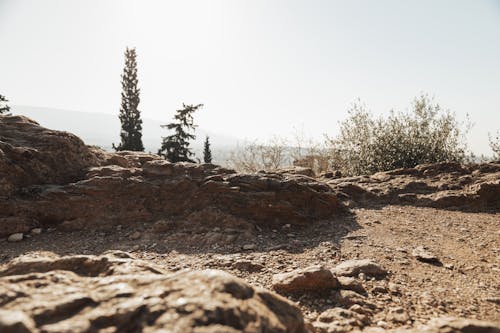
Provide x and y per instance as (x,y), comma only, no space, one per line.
(310,279)
(115,292)
(355,267)
(350,283)
(65,182)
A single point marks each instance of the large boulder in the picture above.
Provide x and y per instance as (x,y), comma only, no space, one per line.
(31,154)
(117,293)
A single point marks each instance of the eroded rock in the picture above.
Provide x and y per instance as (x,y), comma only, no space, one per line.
(117,293)
(310,279)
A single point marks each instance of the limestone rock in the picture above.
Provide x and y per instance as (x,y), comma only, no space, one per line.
(310,279)
(115,292)
(357,266)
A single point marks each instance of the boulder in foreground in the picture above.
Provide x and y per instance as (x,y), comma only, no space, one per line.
(116,293)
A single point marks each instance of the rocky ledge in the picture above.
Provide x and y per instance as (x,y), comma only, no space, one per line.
(51,178)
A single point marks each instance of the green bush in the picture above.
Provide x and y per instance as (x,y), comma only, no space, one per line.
(425,134)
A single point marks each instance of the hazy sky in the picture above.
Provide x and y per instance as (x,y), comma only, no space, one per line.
(261,67)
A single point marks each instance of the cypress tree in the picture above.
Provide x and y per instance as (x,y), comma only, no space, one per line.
(175,147)
(4,108)
(207,153)
(130,116)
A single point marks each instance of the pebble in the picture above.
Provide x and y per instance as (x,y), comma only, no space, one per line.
(17,237)
(36,231)
(135,236)
(248,247)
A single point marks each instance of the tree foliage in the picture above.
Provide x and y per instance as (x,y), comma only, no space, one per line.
(207,152)
(425,134)
(175,147)
(130,116)
(4,108)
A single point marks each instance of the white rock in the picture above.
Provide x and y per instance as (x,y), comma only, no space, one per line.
(15,237)
(36,231)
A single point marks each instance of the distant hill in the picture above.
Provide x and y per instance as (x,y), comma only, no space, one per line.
(103,129)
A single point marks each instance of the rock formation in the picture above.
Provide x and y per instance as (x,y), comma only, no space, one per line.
(52,178)
(115,293)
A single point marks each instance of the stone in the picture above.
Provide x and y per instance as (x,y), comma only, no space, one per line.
(62,177)
(310,279)
(13,321)
(249,247)
(36,231)
(397,315)
(350,283)
(340,320)
(421,254)
(115,292)
(355,267)
(135,235)
(17,237)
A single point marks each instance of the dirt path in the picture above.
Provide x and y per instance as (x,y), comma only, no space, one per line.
(465,282)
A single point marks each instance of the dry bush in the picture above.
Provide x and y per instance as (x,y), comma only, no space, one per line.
(495,145)
(425,134)
(254,156)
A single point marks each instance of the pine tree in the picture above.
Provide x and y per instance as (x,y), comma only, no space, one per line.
(4,108)
(175,147)
(130,116)
(207,153)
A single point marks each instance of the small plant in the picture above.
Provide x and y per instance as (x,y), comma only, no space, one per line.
(425,134)
(175,147)
(254,156)
(4,108)
(495,145)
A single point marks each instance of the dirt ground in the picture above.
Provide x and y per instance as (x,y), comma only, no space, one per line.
(464,282)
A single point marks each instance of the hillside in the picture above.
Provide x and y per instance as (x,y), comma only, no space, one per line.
(94,241)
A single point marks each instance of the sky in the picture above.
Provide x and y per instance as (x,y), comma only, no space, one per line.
(260,67)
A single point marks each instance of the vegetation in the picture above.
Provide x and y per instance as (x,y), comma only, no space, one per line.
(130,116)
(425,134)
(207,152)
(495,145)
(175,147)
(254,156)
(4,108)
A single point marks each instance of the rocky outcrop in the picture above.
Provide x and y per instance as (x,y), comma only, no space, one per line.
(442,185)
(116,293)
(76,187)
(33,155)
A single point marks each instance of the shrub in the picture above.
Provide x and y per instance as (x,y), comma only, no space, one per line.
(495,145)
(425,134)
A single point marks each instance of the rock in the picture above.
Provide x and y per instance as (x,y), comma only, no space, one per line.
(310,279)
(455,325)
(135,235)
(12,321)
(17,237)
(349,298)
(340,320)
(62,178)
(36,231)
(247,266)
(397,315)
(425,256)
(355,267)
(350,283)
(249,247)
(117,293)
